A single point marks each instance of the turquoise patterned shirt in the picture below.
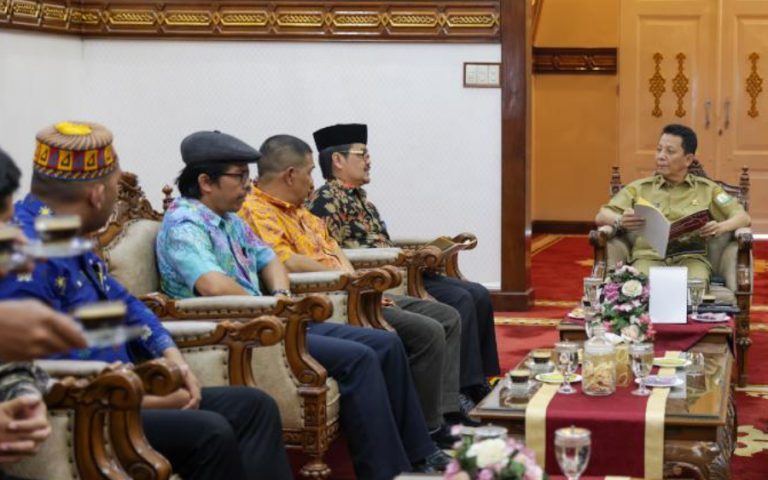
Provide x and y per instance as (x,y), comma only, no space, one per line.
(194,240)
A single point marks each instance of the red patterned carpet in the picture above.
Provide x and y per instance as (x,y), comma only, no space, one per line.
(558,266)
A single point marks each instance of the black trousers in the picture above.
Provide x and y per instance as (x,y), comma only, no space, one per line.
(479,355)
(236,434)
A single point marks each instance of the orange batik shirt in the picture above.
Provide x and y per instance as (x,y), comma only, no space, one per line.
(289,229)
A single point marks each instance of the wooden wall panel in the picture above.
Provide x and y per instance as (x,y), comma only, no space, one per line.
(441,20)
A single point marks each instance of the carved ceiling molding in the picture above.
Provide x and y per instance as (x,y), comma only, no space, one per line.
(437,20)
(575,61)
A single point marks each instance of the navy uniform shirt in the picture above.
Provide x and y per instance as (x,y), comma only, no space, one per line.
(67,283)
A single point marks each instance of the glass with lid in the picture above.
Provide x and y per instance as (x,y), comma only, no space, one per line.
(599,368)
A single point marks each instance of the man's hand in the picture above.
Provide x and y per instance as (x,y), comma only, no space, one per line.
(192,385)
(712,229)
(630,221)
(32,330)
(387,302)
(23,427)
(29,264)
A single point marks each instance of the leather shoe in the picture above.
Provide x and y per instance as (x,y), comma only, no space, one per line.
(443,438)
(434,462)
(455,418)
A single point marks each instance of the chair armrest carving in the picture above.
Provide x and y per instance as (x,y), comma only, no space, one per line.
(449,257)
(115,393)
(413,261)
(159,376)
(744,239)
(207,308)
(296,316)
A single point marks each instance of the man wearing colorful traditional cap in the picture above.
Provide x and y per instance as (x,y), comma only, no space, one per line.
(354,222)
(224,432)
(205,249)
(677,194)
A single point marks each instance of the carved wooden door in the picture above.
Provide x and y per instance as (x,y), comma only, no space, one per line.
(667,74)
(742,129)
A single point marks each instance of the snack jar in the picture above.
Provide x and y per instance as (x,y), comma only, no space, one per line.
(599,372)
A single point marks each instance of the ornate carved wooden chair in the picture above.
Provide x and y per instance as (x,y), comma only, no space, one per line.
(94,411)
(730,255)
(410,263)
(448,262)
(308,400)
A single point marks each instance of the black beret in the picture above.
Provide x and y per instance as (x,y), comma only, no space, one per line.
(341,134)
(208,148)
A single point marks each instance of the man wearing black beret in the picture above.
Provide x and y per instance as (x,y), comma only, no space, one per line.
(205,249)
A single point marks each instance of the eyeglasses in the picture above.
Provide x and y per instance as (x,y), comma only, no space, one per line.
(365,153)
(245,177)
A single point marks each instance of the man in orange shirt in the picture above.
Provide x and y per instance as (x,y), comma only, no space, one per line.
(429,330)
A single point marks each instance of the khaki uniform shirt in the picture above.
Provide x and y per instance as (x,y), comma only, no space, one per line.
(693,194)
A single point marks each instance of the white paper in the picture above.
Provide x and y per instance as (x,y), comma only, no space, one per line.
(669,294)
(656,228)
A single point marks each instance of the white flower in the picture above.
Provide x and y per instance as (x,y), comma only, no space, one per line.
(632,288)
(631,333)
(489,452)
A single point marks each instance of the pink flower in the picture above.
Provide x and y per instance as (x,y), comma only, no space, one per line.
(457,429)
(453,468)
(486,474)
(644,319)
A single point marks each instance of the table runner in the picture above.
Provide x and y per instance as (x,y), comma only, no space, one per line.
(633,424)
(677,336)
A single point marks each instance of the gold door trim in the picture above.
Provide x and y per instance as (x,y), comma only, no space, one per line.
(680,85)
(656,85)
(754,85)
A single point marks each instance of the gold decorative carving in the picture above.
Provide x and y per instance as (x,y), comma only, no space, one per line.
(85,17)
(754,85)
(413,21)
(432,20)
(470,21)
(680,85)
(25,8)
(349,20)
(244,19)
(131,18)
(188,19)
(657,84)
(57,13)
(300,20)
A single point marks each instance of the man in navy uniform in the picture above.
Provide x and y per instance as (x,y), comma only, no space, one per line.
(223,432)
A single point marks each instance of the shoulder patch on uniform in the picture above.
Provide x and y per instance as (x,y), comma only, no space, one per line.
(723,198)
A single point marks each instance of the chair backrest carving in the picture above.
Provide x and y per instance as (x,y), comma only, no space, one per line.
(740,191)
(127,241)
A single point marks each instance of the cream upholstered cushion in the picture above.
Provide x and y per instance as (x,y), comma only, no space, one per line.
(384,256)
(56,457)
(273,375)
(131,257)
(210,364)
(225,303)
(74,368)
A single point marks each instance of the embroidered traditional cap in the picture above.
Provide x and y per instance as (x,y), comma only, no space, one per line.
(75,151)
(340,134)
(207,148)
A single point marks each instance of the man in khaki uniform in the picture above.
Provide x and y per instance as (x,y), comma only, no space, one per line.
(677,194)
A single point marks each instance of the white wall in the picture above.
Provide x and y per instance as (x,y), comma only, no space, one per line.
(435,145)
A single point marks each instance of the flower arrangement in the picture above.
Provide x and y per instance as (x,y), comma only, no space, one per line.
(624,307)
(493,459)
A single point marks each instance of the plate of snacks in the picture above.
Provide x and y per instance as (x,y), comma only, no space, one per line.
(556,377)
(661,382)
(577,313)
(671,362)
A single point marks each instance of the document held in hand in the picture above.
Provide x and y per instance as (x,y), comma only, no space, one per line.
(672,238)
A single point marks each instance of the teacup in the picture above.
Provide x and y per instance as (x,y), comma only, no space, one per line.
(101,315)
(541,357)
(520,376)
(57,228)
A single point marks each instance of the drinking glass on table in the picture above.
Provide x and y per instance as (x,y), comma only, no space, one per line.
(572,450)
(592,298)
(696,287)
(567,354)
(641,357)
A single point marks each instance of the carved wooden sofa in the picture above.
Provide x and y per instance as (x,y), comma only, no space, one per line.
(94,411)
(730,255)
(308,399)
(448,262)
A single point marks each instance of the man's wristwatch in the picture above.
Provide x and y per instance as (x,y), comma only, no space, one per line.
(281,291)
(617,224)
